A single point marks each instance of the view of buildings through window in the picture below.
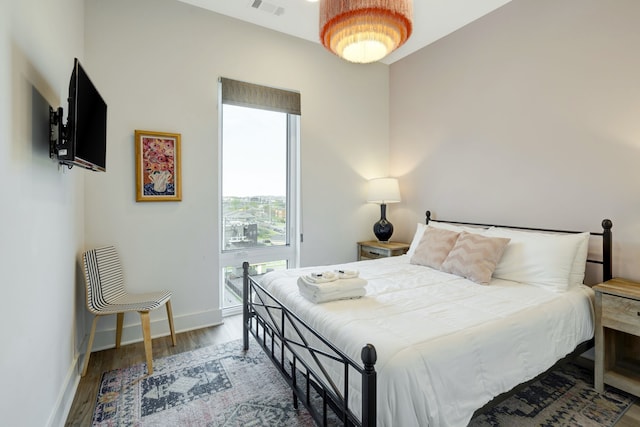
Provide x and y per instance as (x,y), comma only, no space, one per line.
(253,221)
(254,190)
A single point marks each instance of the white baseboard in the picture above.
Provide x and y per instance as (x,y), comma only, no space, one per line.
(67,392)
(132,330)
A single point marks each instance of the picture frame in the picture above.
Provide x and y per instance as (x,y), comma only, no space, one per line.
(158,168)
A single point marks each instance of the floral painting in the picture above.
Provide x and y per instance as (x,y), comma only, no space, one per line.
(157,166)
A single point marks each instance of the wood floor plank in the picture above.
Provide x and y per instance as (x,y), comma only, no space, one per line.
(631,418)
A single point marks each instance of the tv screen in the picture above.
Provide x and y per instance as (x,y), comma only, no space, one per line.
(84,140)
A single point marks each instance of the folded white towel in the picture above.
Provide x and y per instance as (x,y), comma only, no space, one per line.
(323,277)
(347,274)
(333,286)
(319,298)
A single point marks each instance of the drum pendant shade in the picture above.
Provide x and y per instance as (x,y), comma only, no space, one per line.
(365,31)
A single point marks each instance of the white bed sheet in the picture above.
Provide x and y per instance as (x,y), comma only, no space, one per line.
(446,346)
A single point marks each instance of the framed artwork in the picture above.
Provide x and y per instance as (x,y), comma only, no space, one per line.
(158,166)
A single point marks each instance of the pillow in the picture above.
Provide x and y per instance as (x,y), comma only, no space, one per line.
(455,227)
(436,224)
(541,259)
(475,256)
(434,246)
(416,238)
(576,277)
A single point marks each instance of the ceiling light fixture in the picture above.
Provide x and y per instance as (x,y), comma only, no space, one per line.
(365,31)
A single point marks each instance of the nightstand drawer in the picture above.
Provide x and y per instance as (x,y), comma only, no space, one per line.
(372,249)
(621,313)
(373,252)
(617,335)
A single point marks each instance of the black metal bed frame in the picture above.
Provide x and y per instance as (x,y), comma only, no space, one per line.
(286,339)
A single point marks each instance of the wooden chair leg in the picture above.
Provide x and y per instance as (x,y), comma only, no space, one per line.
(119,323)
(89,345)
(146,334)
(170,316)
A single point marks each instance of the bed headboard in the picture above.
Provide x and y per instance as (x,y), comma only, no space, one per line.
(605,234)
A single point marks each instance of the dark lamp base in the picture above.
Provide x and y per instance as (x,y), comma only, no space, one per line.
(383,229)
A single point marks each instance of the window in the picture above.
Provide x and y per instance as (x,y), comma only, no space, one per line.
(259,141)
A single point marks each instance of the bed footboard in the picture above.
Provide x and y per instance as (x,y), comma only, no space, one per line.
(302,357)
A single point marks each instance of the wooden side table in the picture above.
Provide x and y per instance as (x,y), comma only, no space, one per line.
(617,335)
(374,249)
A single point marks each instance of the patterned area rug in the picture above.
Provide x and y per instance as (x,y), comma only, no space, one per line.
(563,398)
(222,386)
(212,386)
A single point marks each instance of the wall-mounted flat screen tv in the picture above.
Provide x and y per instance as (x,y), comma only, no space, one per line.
(83,140)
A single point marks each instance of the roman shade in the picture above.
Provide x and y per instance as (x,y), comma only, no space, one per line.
(243,94)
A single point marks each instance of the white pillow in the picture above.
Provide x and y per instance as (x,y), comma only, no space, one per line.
(442,225)
(457,228)
(541,259)
(576,277)
(416,239)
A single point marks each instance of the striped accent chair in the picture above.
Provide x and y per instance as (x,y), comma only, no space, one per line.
(106,295)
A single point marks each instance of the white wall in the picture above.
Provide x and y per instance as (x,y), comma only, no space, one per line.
(156,63)
(41,214)
(527,116)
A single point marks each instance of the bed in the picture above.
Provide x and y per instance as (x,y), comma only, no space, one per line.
(430,345)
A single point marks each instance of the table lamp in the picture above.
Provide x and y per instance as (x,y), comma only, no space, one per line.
(383,191)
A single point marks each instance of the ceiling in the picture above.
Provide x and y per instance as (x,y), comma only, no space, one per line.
(433,19)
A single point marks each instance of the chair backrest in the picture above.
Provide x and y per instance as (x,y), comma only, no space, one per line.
(103,277)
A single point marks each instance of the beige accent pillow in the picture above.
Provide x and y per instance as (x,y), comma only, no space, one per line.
(434,246)
(475,256)
(442,225)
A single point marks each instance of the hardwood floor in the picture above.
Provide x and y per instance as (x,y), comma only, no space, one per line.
(82,408)
(631,418)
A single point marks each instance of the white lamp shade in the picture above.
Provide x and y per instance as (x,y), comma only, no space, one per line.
(383,191)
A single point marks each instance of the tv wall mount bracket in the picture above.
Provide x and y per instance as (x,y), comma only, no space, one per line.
(57,134)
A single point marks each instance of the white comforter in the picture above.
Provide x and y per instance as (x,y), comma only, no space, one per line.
(446,345)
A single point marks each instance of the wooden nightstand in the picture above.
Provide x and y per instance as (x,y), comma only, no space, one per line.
(617,335)
(373,249)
